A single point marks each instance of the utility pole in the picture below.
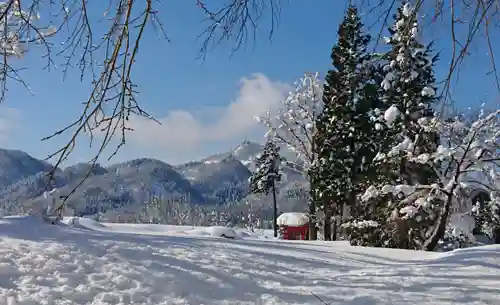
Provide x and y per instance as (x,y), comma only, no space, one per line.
(275,211)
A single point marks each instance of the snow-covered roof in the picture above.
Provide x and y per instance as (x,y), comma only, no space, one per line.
(292,219)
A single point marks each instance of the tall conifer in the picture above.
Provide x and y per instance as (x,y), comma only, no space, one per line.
(343,128)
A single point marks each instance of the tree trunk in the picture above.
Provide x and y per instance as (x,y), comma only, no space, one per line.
(327,224)
(334,230)
(496,233)
(338,224)
(432,242)
(312,221)
(313,233)
(275,212)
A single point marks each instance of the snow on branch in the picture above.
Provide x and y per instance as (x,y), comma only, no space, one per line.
(18,28)
(468,158)
(293,124)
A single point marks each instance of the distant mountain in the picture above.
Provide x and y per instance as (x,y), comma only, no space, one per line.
(247,152)
(16,165)
(215,180)
(219,180)
(134,182)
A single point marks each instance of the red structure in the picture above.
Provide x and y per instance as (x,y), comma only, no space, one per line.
(294,226)
(295,233)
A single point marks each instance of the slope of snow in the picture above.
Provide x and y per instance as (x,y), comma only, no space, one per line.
(84,262)
(151,229)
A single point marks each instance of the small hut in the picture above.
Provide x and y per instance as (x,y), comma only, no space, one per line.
(294,226)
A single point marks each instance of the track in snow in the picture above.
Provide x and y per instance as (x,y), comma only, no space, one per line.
(46,264)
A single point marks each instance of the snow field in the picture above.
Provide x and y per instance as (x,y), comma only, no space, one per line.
(92,263)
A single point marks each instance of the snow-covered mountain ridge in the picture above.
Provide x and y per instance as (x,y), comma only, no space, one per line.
(217,179)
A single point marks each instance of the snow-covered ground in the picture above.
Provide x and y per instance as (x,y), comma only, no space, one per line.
(86,262)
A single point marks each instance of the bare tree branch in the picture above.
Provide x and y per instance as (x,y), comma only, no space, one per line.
(237,20)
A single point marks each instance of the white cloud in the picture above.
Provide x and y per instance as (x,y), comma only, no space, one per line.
(9,122)
(182,132)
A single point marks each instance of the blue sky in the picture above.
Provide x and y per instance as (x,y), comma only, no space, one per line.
(205,107)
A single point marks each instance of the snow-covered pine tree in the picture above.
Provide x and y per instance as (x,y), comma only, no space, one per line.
(266,176)
(342,141)
(409,86)
(408,97)
(294,126)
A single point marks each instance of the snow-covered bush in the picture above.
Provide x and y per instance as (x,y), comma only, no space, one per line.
(459,232)
(488,216)
(364,233)
(451,241)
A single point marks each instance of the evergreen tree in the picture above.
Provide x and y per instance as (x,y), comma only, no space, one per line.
(266,176)
(409,86)
(343,133)
(408,97)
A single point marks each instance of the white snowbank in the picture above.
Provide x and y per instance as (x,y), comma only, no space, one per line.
(63,265)
(221,232)
(153,229)
(83,223)
(214,231)
(292,219)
